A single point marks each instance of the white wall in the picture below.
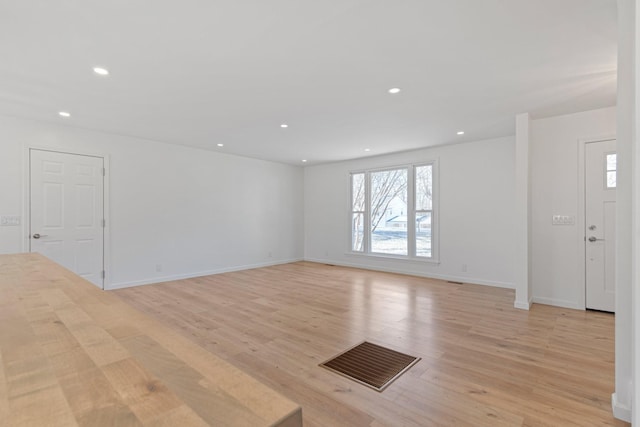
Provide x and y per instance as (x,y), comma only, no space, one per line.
(555,259)
(192,211)
(477,205)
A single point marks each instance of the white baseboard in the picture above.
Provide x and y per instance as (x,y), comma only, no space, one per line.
(557,302)
(429,275)
(153,280)
(523,305)
(621,412)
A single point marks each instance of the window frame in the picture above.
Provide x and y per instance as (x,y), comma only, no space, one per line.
(411,213)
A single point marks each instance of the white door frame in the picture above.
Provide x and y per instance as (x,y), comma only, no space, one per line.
(581,217)
(26,191)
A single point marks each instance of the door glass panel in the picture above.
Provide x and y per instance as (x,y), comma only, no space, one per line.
(612,160)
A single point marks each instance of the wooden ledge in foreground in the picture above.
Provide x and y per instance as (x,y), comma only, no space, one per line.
(71,354)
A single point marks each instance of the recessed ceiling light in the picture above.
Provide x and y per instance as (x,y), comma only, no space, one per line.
(284,125)
(367,149)
(64,114)
(304,160)
(461,132)
(394,90)
(101,71)
(220,145)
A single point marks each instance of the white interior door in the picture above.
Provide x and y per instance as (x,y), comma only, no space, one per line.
(66,211)
(600,224)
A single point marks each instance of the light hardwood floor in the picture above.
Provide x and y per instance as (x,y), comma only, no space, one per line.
(484,363)
(73,355)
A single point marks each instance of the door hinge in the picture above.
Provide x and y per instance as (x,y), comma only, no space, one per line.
(103,274)
(104,223)
(104,172)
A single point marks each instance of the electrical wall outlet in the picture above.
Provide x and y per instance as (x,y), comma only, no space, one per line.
(8,220)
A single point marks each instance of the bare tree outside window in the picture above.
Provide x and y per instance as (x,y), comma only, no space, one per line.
(357,212)
(424,207)
(424,187)
(388,227)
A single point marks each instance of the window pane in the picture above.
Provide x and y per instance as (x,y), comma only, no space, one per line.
(389,212)
(357,192)
(424,187)
(423,234)
(611,179)
(357,232)
(611,162)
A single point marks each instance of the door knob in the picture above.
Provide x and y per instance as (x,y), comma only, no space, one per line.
(593,239)
(37,236)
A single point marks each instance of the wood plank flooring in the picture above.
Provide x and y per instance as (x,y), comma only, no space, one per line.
(73,355)
(484,363)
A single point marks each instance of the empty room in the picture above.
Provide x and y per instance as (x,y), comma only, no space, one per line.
(319,213)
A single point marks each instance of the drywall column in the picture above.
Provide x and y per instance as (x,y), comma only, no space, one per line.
(621,399)
(634,36)
(522,282)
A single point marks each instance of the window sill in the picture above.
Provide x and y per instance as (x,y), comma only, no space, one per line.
(395,258)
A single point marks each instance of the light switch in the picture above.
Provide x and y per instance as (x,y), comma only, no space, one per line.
(9,220)
(563,220)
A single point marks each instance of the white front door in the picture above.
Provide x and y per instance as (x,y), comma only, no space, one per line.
(600,224)
(66,211)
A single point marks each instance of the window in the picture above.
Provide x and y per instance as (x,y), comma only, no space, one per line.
(424,209)
(388,194)
(392,211)
(357,212)
(611,170)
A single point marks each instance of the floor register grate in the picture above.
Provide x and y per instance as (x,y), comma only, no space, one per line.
(371,364)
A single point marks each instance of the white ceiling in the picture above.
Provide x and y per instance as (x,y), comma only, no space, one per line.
(202,72)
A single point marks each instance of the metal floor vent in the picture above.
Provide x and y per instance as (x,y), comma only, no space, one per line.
(370,364)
